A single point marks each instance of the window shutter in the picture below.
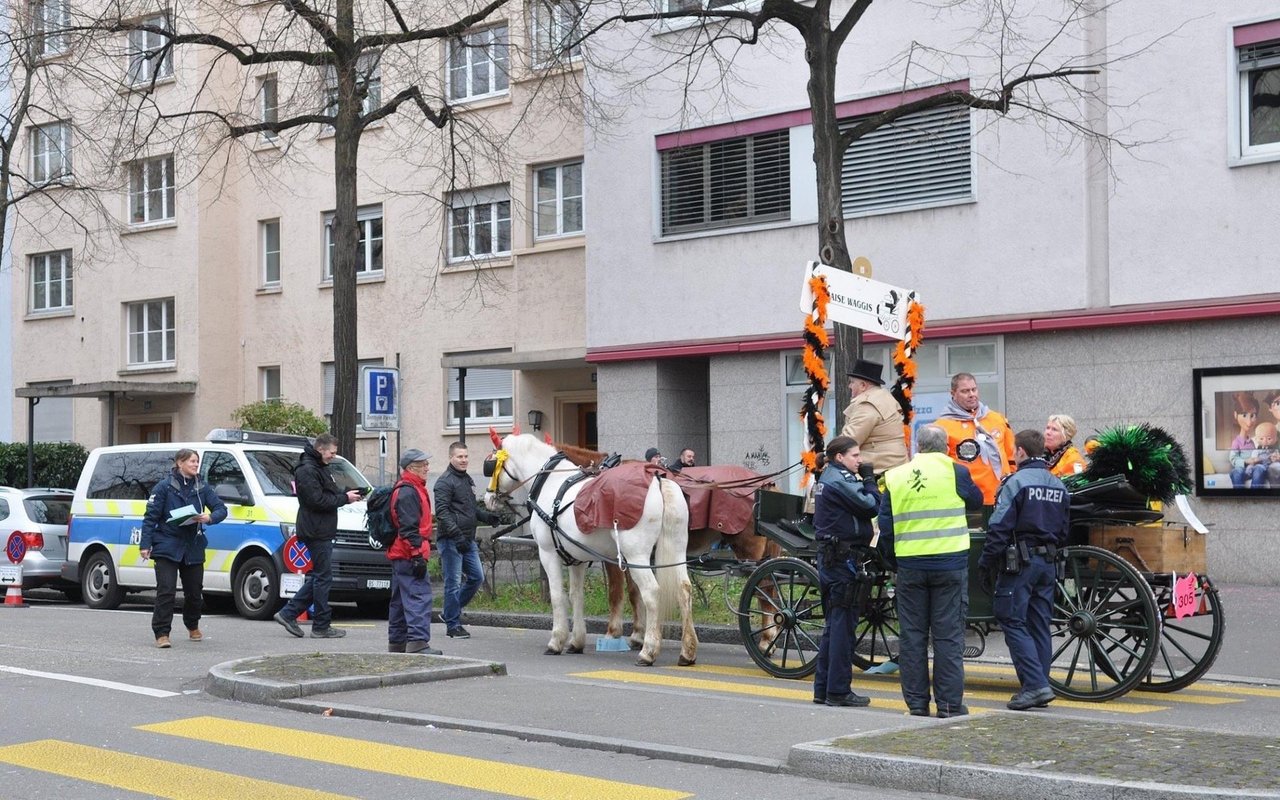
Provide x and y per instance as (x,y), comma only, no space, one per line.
(482,384)
(921,159)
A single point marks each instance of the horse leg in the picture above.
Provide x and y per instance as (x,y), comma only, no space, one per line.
(578,635)
(647,588)
(555,584)
(638,618)
(614,585)
(688,633)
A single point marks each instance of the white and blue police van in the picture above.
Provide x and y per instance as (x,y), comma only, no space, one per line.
(253,475)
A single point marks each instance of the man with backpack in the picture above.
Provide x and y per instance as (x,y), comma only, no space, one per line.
(459,554)
(409,616)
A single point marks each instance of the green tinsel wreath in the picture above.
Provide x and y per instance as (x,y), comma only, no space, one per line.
(1150,459)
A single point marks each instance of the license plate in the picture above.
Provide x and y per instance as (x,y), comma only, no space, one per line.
(371,584)
(290,584)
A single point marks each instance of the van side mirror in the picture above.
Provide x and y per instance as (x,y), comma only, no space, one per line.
(235,494)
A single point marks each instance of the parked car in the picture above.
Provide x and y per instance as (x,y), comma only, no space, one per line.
(41,516)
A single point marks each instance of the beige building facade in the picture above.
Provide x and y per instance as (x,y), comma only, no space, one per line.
(207,284)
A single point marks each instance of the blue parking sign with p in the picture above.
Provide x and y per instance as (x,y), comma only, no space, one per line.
(382,398)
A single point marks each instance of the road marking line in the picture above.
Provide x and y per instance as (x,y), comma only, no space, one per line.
(727,687)
(1225,688)
(409,762)
(119,687)
(148,776)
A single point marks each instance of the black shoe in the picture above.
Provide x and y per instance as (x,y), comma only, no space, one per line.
(1028,699)
(956,711)
(850,700)
(919,712)
(289,625)
(458,633)
(328,633)
(421,649)
(819,700)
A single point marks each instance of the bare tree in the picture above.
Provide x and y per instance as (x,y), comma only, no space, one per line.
(327,59)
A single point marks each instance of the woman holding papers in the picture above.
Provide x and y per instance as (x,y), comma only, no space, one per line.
(173,537)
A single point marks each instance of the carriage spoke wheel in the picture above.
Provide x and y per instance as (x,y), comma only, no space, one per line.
(876,639)
(780,617)
(1188,646)
(1105,626)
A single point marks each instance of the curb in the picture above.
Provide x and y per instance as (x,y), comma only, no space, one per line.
(231,679)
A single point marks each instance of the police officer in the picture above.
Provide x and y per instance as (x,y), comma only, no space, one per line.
(923,514)
(844,505)
(1029,524)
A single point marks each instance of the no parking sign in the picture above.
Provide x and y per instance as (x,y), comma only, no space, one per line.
(16,549)
(297,559)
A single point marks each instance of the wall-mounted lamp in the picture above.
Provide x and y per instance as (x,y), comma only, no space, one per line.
(535,419)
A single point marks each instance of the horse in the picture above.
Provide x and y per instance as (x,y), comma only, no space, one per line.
(662,530)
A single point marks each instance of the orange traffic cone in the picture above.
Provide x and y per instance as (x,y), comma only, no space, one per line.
(13,597)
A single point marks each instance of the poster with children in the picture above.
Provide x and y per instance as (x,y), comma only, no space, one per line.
(1238,436)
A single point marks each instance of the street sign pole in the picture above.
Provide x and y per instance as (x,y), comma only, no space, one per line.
(381,411)
(382,458)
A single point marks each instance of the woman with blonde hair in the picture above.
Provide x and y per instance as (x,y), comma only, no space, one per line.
(1062,457)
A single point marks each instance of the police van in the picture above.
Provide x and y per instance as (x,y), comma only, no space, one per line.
(253,475)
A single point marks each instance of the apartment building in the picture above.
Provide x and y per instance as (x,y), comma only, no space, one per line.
(1070,274)
(210,284)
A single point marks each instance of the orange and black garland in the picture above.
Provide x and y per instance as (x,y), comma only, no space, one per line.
(816,342)
(904,363)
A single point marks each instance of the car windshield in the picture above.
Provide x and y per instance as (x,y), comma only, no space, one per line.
(274,469)
(48,510)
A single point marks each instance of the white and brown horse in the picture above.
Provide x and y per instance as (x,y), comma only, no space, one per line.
(653,550)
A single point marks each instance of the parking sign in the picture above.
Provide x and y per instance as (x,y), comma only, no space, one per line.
(381,398)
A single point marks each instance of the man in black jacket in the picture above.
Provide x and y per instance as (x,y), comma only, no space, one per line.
(319,499)
(457,516)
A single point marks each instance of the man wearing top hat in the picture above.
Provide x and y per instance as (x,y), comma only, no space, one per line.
(873,418)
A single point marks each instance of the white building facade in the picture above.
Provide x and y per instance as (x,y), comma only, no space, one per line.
(1070,274)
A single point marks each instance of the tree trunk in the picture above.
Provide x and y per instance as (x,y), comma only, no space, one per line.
(828,157)
(346,238)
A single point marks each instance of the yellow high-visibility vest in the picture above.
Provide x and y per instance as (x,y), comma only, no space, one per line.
(928,515)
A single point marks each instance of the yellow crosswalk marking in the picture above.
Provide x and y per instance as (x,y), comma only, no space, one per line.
(148,776)
(729,687)
(408,762)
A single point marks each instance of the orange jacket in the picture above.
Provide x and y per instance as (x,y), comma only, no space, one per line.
(961,431)
(1069,463)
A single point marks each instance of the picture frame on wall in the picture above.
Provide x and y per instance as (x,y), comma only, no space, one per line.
(1237,431)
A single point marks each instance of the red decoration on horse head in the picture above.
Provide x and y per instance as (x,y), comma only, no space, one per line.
(546,437)
(515,429)
(493,437)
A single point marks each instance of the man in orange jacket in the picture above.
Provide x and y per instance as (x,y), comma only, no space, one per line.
(977,437)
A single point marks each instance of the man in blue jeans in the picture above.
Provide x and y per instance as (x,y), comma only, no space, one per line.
(319,498)
(922,514)
(457,515)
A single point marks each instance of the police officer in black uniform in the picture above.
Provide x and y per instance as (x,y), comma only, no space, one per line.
(1029,524)
(845,502)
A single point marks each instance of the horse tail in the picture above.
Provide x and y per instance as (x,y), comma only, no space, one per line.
(673,543)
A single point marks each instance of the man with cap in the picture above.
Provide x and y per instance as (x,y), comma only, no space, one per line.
(319,498)
(409,615)
(653,456)
(458,515)
(873,418)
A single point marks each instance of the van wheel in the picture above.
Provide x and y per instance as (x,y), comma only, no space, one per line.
(256,589)
(98,582)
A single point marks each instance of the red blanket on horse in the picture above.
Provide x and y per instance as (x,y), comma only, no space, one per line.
(617,495)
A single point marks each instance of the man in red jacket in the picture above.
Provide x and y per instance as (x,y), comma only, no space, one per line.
(409,617)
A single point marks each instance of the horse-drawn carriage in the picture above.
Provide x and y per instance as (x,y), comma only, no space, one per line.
(1114,625)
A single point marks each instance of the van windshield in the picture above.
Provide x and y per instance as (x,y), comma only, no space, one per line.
(274,469)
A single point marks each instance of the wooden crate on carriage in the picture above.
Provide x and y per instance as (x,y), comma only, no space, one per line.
(1167,547)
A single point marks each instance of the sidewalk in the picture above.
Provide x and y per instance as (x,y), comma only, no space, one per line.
(989,755)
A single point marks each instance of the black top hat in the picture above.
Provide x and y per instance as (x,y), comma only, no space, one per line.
(868,371)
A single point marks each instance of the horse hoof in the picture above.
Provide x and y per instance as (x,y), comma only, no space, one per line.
(686,662)
(550,652)
(573,650)
(640,662)
(637,645)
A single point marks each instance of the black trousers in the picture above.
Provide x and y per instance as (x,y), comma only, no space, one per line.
(167,573)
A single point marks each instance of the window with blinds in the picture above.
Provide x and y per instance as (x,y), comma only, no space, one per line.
(489,396)
(921,159)
(728,183)
(1259,77)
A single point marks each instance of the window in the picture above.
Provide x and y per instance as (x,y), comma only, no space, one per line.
(555,31)
(222,472)
(270,383)
(478,64)
(50,152)
(50,20)
(151,333)
(269,234)
(922,159)
(727,183)
(1258,78)
(368,79)
(129,475)
(150,56)
(151,190)
(489,396)
(480,223)
(558,200)
(269,104)
(329,378)
(50,281)
(369,261)
(936,362)
(52,417)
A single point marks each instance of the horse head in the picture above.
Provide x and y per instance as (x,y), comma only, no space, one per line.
(516,461)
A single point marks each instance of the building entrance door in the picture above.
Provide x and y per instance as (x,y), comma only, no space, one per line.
(588,436)
(155,433)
